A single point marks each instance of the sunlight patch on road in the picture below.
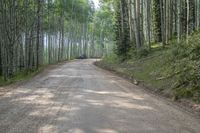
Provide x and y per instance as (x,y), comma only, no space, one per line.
(128,105)
(69,76)
(106,131)
(48,129)
(43,97)
(15,92)
(117,94)
(76,130)
(113,81)
(95,102)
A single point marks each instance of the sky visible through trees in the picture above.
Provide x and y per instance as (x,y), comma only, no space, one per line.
(96,3)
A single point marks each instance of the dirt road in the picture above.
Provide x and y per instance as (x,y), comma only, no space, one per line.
(77,97)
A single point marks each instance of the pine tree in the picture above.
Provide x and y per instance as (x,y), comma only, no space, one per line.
(157,21)
(122,30)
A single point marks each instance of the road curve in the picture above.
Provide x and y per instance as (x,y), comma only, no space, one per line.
(78,97)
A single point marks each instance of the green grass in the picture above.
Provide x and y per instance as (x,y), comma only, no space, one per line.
(173,71)
(145,69)
(26,75)
(156,45)
(21,76)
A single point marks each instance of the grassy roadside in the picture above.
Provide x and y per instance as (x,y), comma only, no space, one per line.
(172,72)
(26,75)
(144,70)
(21,76)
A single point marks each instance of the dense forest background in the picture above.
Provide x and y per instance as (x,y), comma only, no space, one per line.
(143,22)
(157,42)
(38,32)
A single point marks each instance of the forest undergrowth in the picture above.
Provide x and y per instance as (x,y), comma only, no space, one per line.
(173,71)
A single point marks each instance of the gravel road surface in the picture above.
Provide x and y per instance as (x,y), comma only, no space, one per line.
(78,97)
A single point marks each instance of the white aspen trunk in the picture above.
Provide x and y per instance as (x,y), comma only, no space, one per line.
(130,20)
(188,17)
(136,31)
(178,20)
(149,23)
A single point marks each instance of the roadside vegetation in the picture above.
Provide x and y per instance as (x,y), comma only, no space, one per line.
(172,71)
(157,43)
(25,75)
(20,76)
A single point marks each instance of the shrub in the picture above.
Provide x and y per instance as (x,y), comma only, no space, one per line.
(112,59)
(143,52)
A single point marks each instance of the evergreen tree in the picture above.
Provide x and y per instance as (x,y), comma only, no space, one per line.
(157,20)
(122,30)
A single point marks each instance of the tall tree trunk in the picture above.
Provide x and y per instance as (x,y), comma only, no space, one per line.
(149,22)
(38,33)
(188,19)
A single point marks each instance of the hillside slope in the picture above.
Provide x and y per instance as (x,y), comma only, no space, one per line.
(173,72)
